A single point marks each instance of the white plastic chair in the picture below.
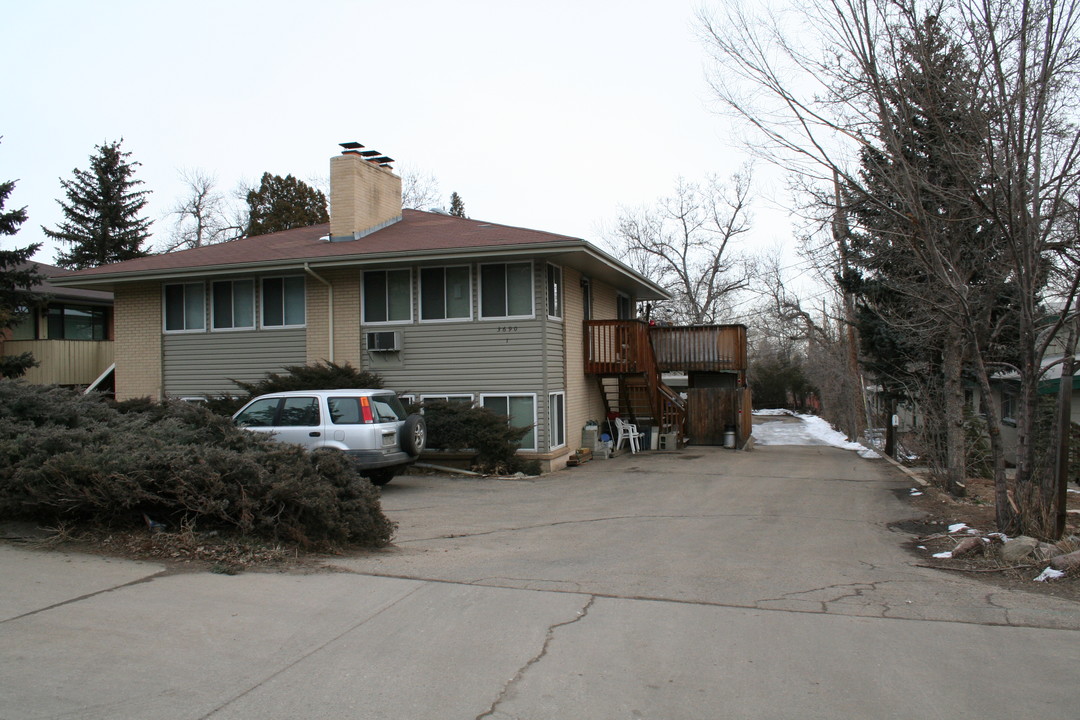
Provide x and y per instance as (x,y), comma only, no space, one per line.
(627,431)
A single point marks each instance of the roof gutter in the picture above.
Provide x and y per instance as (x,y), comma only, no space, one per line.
(330,309)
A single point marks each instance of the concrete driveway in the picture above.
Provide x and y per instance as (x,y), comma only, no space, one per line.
(701,583)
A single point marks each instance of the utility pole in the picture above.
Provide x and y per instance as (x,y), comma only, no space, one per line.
(1065,391)
(841,232)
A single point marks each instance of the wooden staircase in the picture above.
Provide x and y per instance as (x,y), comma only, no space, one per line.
(620,354)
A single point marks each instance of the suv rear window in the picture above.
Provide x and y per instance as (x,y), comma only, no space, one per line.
(364,411)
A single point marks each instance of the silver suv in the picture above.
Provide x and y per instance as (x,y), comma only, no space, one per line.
(370,426)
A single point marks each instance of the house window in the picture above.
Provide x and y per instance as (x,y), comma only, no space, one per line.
(462,400)
(1008,409)
(77,322)
(283,302)
(387,296)
(506,290)
(520,411)
(624,307)
(586,298)
(557,420)
(233,305)
(445,294)
(185,307)
(554,291)
(26,327)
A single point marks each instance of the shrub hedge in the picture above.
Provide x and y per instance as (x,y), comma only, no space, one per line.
(66,457)
(455,426)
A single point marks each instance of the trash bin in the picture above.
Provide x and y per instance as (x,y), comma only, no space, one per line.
(729,437)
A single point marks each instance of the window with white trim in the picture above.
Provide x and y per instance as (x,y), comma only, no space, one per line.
(554,291)
(520,412)
(445,293)
(184,307)
(232,305)
(387,296)
(506,290)
(556,420)
(624,307)
(284,302)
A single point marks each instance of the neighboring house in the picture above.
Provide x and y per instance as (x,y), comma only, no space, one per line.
(440,307)
(70,337)
(1006,391)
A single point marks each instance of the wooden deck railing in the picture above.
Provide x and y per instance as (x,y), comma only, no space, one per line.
(708,348)
(617,347)
(63,362)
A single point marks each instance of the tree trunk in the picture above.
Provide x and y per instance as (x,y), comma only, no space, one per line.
(955,456)
(1006,514)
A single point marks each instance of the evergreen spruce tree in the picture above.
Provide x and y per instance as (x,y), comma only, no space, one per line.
(457,205)
(102,220)
(915,192)
(17,277)
(283,203)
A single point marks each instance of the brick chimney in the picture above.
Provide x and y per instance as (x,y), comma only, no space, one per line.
(365,194)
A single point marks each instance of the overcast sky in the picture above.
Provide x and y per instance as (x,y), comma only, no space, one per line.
(549,116)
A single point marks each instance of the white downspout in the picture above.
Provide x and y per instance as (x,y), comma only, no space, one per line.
(330,305)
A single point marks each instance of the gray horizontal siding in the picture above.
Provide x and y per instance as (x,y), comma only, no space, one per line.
(472,357)
(204,363)
(477,357)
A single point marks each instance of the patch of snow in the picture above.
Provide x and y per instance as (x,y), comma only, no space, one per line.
(915,491)
(1000,536)
(957,527)
(944,555)
(1071,490)
(921,547)
(811,431)
(1049,574)
(772,412)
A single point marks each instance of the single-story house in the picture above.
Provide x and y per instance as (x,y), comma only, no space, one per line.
(70,336)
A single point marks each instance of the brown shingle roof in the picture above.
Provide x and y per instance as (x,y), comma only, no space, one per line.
(417,234)
(417,231)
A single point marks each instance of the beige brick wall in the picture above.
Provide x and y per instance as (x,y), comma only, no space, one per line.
(347,345)
(362,195)
(137,312)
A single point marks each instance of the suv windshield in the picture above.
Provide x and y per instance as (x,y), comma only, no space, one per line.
(363,410)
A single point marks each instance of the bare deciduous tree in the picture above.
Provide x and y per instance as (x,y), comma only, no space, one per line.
(201,216)
(686,245)
(419,189)
(817,108)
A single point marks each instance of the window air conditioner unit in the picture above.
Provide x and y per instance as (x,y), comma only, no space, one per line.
(386,341)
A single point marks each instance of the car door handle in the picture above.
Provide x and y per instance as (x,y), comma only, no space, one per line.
(315,433)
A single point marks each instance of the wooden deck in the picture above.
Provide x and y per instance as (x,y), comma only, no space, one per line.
(638,354)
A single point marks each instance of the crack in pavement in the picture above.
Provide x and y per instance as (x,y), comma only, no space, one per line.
(726,604)
(87,596)
(844,591)
(311,651)
(520,674)
(586,521)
